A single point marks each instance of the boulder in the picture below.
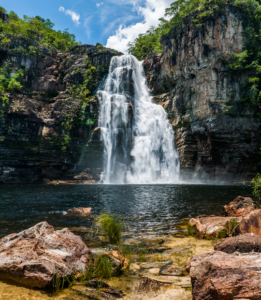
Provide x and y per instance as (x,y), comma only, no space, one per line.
(33,256)
(83,211)
(242,243)
(241,206)
(211,227)
(249,224)
(218,275)
(241,284)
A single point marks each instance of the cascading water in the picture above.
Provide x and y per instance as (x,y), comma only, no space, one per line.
(138,138)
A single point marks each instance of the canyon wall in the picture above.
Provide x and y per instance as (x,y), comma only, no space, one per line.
(216,137)
(46,129)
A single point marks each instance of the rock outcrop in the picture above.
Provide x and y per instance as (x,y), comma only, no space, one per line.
(251,223)
(83,211)
(218,275)
(241,206)
(245,243)
(217,139)
(34,256)
(211,227)
(46,128)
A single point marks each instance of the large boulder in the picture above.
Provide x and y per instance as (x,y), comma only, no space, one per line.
(218,275)
(211,227)
(34,256)
(242,243)
(241,206)
(249,224)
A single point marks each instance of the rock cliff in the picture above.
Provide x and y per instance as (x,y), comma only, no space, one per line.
(46,126)
(216,137)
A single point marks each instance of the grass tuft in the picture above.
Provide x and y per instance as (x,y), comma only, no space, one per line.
(111,226)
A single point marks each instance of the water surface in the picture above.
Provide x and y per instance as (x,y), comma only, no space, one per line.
(146,208)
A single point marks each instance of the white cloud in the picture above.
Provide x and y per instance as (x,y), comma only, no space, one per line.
(99,4)
(75,17)
(87,27)
(151,12)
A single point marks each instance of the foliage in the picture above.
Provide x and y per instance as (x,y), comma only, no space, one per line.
(2,10)
(190,230)
(257,187)
(9,83)
(38,29)
(111,226)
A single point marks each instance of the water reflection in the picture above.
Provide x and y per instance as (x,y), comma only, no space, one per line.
(146,208)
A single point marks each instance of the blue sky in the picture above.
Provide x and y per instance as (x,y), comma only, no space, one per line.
(111,22)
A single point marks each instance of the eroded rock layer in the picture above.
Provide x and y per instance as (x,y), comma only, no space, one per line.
(216,137)
(45,127)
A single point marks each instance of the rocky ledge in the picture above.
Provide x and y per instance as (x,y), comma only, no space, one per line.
(34,256)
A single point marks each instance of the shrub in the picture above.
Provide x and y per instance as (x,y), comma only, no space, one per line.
(257,188)
(111,226)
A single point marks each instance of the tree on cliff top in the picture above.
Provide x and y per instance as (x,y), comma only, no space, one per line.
(38,29)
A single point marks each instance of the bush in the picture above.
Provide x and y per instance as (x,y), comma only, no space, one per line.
(39,29)
(111,226)
(257,188)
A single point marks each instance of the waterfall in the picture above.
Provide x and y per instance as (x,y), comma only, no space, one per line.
(138,138)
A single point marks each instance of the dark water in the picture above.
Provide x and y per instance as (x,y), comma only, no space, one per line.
(146,208)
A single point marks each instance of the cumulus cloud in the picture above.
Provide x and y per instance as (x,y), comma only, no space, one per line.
(99,4)
(150,12)
(75,17)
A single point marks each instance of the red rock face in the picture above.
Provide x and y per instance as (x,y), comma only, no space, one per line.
(220,276)
(33,256)
(241,206)
(210,226)
(243,243)
(228,284)
(249,224)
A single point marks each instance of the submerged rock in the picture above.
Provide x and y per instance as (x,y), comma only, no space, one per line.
(173,271)
(241,206)
(210,227)
(33,256)
(249,224)
(79,211)
(218,275)
(243,243)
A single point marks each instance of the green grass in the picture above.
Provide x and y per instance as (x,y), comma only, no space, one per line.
(111,226)
(190,230)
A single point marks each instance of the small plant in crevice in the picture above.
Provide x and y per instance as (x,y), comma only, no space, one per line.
(190,230)
(110,225)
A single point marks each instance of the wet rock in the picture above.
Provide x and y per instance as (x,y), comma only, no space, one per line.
(92,293)
(97,284)
(249,224)
(120,263)
(150,285)
(242,243)
(79,211)
(241,206)
(33,256)
(173,271)
(210,227)
(112,291)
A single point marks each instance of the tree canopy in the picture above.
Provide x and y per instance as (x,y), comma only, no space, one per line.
(39,29)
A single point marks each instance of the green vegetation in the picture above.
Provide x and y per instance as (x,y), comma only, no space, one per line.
(247,62)
(257,188)
(111,226)
(190,230)
(35,28)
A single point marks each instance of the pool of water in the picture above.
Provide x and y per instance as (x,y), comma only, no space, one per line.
(145,208)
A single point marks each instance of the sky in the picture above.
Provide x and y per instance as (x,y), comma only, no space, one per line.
(112,23)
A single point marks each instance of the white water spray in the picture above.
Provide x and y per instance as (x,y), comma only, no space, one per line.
(138,138)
